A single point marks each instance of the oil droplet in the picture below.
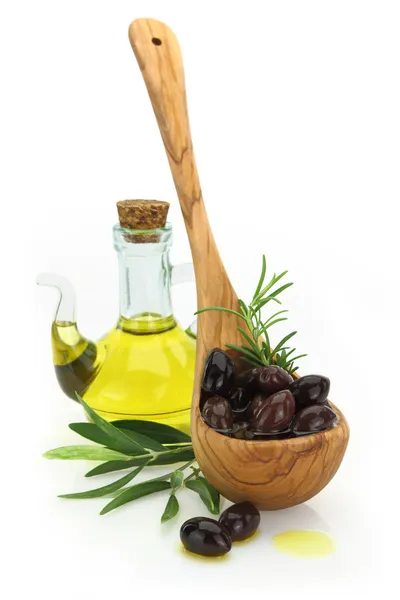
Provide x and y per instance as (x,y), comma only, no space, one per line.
(307,544)
(194,556)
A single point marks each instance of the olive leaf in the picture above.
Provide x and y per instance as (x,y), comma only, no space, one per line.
(121,441)
(106,489)
(215,495)
(198,486)
(92,432)
(177,479)
(85,453)
(165,434)
(136,491)
(171,510)
(168,457)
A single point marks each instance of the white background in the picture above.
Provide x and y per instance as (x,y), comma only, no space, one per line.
(295,119)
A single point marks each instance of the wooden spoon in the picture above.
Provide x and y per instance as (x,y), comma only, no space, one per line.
(275,473)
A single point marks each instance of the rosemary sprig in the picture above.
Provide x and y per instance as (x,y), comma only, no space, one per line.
(139,444)
(259,352)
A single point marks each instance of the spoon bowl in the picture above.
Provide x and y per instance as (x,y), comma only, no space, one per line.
(274,473)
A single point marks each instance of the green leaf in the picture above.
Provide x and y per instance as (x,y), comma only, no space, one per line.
(177,479)
(157,431)
(243,350)
(262,277)
(297,357)
(85,453)
(221,309)
(171,510)
(243,307)
(136,491)
(274,322)
(273,281)
(92,432)
(166,458)
(251,342)
(254,363)
(216,498)
(106,489)
(280,290)
(121,441)
(198,486)
(275,315)
(283,342)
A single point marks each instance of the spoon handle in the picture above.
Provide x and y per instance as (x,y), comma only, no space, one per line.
(159,57)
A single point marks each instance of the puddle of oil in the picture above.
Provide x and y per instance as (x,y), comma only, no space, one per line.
(198,557)
(303,543)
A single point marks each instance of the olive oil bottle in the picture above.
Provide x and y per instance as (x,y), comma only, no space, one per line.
(144,367)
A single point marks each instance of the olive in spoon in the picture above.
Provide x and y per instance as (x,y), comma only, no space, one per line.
(272,474)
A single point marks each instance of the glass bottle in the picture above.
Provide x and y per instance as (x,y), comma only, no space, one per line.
(144,367)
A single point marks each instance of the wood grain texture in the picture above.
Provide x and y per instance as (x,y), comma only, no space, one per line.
(272,474)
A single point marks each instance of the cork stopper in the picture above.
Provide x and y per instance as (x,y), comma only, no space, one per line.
(142,214)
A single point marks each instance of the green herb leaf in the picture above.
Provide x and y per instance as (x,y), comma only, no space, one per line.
(136,491)
(157,431)
(106,489)
(176,479)
(85,453)
(262,277)
(243,350)
(221,309)
(92,432)
(166,458)
(198,486)
(171,510)
(216,498)
(121,441)
(283,341)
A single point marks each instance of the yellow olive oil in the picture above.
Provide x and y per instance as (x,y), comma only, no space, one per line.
(303,543)
(142,369)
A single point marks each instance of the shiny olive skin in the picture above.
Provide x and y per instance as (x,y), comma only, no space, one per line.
(238,399)
(272,379)
(241,520)
(219,372)
(206,537)
(310,389)
(240,404)
(312,419)
(273,413)
(217,412)
(247,381)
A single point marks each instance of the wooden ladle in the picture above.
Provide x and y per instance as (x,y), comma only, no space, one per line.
(275,473)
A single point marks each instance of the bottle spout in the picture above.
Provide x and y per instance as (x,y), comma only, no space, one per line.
(75,358)
(65,312)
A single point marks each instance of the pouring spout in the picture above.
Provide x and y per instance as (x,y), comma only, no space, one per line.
(76,359)
(65,312)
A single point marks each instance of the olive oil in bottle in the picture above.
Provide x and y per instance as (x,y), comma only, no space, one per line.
(144,367)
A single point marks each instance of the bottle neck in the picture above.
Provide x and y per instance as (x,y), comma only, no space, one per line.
(144,286)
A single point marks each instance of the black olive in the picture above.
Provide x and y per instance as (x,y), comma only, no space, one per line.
(247,381)
(312,419)
(205,537)
(273,413)
(241,520)
(242,431)
(310,389)
(272,379)
(238,399)
(217,412)
(219,372)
